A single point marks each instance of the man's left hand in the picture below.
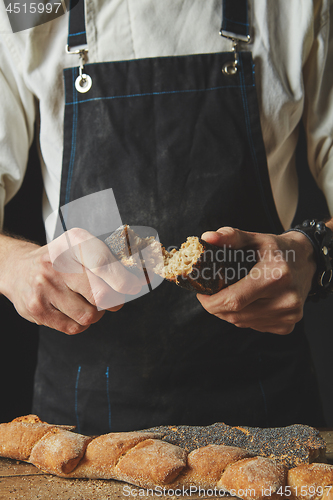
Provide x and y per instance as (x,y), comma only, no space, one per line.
(271,297)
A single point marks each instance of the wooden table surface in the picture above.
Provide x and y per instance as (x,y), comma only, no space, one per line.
(22,481)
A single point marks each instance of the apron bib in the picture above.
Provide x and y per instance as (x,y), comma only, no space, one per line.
(180,144)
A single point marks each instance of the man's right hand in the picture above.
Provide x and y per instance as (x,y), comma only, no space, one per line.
(67,284)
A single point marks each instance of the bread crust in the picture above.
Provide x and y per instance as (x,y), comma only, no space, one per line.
(307,480)
(17,438)
(255,478)
(206,465)
(104,452)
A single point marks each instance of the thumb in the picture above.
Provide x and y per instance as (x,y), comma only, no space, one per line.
(229,236)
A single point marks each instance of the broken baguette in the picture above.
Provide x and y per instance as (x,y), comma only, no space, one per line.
(197,266)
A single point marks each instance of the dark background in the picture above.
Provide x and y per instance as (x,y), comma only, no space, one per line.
(20,338)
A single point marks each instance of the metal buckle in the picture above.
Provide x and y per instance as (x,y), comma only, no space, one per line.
(77,50)
(231,67)
(83,82)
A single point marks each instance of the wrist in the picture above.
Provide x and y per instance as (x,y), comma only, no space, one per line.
(12,252)
(320,236)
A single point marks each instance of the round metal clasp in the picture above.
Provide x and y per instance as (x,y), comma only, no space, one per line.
(83,83)
(230,68)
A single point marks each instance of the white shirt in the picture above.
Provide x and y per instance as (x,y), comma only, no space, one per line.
(292,49)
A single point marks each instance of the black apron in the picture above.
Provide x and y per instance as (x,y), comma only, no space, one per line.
(180,144)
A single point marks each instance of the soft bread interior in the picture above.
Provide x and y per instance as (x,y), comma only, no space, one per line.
(181,262)
(167,264)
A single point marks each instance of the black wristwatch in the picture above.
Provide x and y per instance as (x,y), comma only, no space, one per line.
(321,238)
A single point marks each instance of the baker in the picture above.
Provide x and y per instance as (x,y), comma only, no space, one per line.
(176,121)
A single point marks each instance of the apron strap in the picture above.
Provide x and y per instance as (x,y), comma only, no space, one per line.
(77,36)
(235,20)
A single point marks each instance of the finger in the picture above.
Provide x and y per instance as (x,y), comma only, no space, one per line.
(230,236)
(235,297)
(96,256)
(77,248)
(266,315)
(52,317)
(95,291)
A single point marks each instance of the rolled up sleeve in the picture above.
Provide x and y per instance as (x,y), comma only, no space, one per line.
(17,117)
(318,110)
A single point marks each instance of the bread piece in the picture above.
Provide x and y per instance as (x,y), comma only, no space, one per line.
(308,481)
(104,452)
(206,465)
(254,479)
(18,437)
(197,266)
(134,252)
(151,463)
(59,451)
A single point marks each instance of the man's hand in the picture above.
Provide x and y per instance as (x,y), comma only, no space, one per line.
(67,284)
(272,296)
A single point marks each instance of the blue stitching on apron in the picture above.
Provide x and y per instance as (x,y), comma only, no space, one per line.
(250,138)
(156,93)
(76,393)
(108,395)
(74,34)
(73,147)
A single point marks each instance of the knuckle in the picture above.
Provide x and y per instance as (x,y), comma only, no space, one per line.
(87,318)
(234,319)
(121,287)
(100,295)
(230,230)
(105,298)
(103,258)
(286,329)
(34,305)
(234,304)
(74,329)
(39,281)
(295,302)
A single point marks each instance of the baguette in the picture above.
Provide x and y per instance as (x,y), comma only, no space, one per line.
(147,460)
